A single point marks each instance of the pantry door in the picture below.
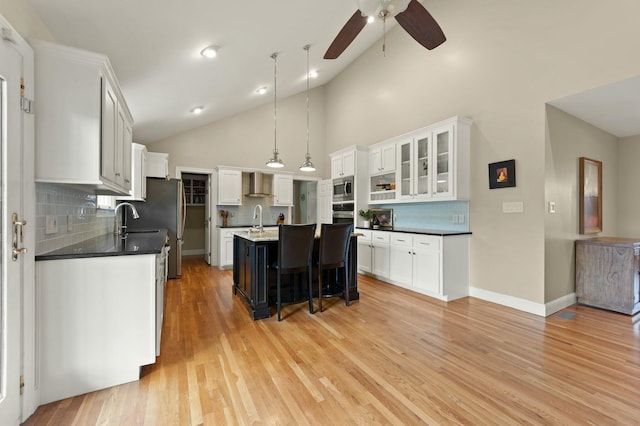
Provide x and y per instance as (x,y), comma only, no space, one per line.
(12,254)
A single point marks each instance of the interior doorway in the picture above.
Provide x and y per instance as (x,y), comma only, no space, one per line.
(197,233)
(305,199)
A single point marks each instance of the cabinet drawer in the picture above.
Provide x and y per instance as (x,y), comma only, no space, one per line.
(366,235)
(402,240)
(380,237)
(427,241)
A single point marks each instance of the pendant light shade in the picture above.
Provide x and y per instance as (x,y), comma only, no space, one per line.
(307,166)
(275,161)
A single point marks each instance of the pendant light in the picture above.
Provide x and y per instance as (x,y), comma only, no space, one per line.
(275,161)
(307,166)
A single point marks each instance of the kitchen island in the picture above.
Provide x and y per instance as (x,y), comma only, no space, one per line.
(254,280)
(100,309)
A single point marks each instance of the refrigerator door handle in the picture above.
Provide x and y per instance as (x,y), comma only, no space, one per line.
(184,210)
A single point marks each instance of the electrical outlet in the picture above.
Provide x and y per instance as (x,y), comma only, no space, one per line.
(69,223)
(51,225)
(460,218)
(454,218)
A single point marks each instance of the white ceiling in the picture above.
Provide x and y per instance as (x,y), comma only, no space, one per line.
(154,47)
(614,108)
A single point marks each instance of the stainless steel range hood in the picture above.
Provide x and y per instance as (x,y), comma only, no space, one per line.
(256,185)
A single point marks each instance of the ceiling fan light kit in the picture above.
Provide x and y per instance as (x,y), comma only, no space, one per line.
(275,161)
(410,14)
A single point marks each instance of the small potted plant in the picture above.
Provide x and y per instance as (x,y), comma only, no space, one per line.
(366,215)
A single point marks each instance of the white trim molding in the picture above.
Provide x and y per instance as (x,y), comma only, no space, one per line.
(539,309)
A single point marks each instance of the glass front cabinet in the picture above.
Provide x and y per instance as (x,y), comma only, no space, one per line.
(434,162)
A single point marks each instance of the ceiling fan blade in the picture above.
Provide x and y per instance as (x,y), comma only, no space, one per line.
(347,34)
(421,26)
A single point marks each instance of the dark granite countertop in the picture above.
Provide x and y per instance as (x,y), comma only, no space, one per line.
(137,242)
(438,232)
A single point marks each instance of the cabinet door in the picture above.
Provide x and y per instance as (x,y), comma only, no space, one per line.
(230,187)
(109,132)
(282,190)
(380,261)
(388,158)
(422,173)
(349,163)
(127,154)
(364,256)
(227,252)
(375,161)
(426,265)
(401,264)
(443,156)
(336,166)
(405,152)
(324,214)
(401,258)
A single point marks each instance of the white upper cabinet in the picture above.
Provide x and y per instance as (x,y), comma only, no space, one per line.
(157,165)
(382,158)
(282,190)
(434,162)
(138,173)
(230,187)
(83,124)
(343,164)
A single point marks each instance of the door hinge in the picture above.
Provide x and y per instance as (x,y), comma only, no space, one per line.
(26,105)
(21,384)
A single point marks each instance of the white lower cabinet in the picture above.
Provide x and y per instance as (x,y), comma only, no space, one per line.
(97,322)
(373,253)
(433,265)
(225,240)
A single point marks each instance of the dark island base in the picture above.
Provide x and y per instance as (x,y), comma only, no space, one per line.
(254,279)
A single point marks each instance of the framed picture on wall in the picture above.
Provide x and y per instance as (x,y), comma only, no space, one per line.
(590,196)
(502,174)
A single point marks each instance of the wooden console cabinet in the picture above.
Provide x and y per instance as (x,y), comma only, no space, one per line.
(607,271)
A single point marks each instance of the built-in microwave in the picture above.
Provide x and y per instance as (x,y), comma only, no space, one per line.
(343,189)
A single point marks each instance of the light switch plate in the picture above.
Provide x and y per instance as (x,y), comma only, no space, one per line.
(552,206)
(51,224)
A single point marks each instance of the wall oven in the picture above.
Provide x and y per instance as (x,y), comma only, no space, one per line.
(343,213)
(343,189)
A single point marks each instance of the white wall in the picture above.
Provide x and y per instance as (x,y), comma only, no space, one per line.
(569,139)
(24,19)
(247,139)
(628,184)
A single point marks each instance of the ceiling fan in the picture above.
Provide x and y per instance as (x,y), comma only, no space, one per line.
(410,14)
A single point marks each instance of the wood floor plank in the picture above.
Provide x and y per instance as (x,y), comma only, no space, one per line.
(393,357)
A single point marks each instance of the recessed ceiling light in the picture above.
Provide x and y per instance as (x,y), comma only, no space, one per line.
(261,90)
(210,51)
(197,110)
(313,74)
(370,19)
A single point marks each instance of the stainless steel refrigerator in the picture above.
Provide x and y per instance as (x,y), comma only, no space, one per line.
(165,207)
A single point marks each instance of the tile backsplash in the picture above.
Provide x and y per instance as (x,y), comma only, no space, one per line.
(66,205)
(442,215)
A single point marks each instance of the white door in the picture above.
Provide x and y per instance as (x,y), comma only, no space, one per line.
(207,222)
(12,265)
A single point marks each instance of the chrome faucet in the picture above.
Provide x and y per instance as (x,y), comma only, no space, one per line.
(255,215)
(120,230)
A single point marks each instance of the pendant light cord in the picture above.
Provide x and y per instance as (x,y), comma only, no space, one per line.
(307,49)
(275,95)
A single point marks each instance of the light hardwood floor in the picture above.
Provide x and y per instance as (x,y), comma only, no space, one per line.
(394,357)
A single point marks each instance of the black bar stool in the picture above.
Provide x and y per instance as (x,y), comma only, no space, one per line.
(334,254)
(295,247)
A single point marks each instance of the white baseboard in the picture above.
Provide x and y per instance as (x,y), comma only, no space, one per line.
(539,309)
(560,303)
